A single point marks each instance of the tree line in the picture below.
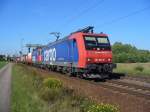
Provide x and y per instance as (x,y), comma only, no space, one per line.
(126,53)
(2,57)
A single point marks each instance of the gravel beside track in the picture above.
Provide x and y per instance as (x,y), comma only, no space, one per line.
(138,78)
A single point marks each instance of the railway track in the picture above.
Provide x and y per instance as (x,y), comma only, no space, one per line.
(140,85)
(137,86)
(138,78)
(127,88)
(124,85)
(126,76)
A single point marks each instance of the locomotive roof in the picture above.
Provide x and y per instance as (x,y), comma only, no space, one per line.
(65,38)
(57,41)
(85,31)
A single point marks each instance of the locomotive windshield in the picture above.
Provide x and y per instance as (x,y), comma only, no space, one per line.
(93,42)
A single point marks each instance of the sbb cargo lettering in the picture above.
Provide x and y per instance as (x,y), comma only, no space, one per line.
(50,55)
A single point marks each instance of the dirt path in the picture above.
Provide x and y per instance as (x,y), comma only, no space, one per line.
(5,84)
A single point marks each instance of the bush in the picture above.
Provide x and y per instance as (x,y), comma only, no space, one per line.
(52,83)
(101,108)
(139,68)
(123,53)
(52,89)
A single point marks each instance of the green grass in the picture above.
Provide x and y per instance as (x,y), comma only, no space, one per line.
(26,90)
(2,63)
(30,94)
(131,68)
(24,94)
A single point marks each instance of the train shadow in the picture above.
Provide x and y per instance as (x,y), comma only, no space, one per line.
(116,75)
(113,76)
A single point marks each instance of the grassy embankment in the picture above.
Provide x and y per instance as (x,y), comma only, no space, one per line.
(2,63)
(142,69)
(32,92)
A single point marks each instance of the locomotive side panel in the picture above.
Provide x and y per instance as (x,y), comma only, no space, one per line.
(62,53)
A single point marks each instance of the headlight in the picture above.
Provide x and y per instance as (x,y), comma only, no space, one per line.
(96,59)
(89,59)
(100,59)
(109,59)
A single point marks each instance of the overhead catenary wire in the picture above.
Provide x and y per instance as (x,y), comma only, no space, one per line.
(85,11)
(77,16)
(123,17)
(88,9)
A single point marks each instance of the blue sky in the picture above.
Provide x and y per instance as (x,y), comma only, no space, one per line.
(33,20)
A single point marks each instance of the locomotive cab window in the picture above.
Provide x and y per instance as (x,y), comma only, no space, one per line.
(94,42)
(102,40)
(90,41)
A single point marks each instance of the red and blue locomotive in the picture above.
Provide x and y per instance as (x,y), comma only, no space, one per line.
(82,53)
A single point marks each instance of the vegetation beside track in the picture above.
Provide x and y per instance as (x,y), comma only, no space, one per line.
(2,63)
(33,93)
(140,69)
(24,96)
(126,53)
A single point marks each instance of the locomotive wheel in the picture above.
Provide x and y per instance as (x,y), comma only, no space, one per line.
(69,72)
(64,70)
